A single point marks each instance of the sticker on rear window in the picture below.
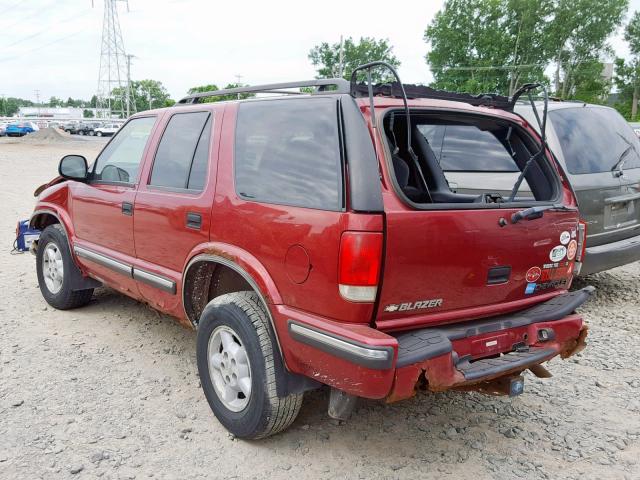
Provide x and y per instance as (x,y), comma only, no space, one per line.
(557,253)
(565,237)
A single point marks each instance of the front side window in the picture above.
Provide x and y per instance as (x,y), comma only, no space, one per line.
(288,152)
(595,140)
(120,160)
(182,157)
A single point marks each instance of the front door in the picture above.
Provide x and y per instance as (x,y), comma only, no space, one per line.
(102,209)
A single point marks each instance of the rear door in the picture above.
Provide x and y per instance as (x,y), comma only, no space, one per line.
(458,261)
(602,154)
(173,204)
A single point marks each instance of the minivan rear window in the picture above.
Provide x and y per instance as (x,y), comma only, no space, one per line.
(288,152)
(594,139)
(466,148)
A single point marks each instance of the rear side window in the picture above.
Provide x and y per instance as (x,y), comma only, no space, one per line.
(288,152)
(466,148)
(594,140)
(182,157)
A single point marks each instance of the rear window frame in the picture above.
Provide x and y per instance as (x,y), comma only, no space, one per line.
(381,114)
(166,121)
(342,184)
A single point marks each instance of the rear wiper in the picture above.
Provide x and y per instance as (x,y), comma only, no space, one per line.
(537,212)
(617,167)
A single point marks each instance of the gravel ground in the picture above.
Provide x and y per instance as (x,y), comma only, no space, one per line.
(111,391)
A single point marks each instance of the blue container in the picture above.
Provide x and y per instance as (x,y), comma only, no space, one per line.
(25,236)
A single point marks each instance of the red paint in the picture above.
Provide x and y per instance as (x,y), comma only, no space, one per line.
(297,256)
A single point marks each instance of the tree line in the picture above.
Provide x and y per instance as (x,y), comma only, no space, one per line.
(496,46)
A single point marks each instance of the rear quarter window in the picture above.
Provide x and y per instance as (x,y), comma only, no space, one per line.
(289,152)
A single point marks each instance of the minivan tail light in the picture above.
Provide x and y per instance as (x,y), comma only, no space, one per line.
(582,241)
(359,265)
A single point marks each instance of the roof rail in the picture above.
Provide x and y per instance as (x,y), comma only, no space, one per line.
(322,86)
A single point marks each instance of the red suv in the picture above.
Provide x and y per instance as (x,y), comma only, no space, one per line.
(314,240)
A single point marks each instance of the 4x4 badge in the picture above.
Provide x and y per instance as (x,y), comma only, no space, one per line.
(421,304)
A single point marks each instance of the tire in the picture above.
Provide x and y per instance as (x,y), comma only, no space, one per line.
(91,133)
(57,291)
(263,413)
(98,134)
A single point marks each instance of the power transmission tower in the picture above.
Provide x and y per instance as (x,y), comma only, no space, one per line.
(113,64)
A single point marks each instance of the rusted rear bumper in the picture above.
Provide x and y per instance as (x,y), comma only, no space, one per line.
(450,370)
(366,362)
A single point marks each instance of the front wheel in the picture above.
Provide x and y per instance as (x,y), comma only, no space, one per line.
(99,134)
(54,267)
(235,355)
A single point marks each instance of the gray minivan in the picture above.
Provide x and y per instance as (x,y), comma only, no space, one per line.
(600,153)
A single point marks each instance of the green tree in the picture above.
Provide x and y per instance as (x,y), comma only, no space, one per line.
(220,98)
(147,94)
(326,57)
(627,74)
(12,105)
(55,102)
(87,113)
(489,45)
(579,32)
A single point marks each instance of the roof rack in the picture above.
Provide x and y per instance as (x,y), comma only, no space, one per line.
(323,85)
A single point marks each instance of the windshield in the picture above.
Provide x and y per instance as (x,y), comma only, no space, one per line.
(594,139)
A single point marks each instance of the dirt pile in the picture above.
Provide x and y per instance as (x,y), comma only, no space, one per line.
(48,136)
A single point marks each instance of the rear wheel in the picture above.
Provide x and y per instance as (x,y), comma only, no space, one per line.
(99,134)
(235,357)
(54,266)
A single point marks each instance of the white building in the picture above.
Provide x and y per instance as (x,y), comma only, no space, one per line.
(58,113)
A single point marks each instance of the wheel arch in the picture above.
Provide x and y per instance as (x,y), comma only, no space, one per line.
(234,273)
(41,218)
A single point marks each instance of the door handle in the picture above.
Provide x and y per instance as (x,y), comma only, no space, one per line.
(194,220)
(127,208)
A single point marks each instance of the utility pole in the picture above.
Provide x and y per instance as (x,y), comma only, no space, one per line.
(238,78)
(341,61)
(38,100)
(130,99)
(150,99)
(113,63)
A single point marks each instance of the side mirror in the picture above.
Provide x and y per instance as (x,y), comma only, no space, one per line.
(73,167)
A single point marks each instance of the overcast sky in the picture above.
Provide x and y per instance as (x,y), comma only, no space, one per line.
(54,45)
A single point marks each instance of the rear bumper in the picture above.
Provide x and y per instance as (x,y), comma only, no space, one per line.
(369,363)
(611,255)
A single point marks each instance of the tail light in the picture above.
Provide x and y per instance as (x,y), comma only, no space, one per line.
(359,265)
(581,248)
(582,241)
